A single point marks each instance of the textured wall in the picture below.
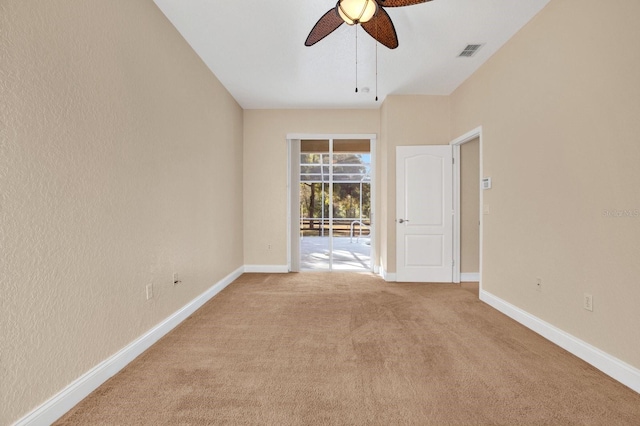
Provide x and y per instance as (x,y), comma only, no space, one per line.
(407,120)
(265,165)
(120,163)
(559,105)
(400,121)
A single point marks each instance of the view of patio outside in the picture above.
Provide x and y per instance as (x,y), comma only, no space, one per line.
(335,201)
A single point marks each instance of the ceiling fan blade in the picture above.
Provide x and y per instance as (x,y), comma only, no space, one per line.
(329,22)
(381,28)
(398,3)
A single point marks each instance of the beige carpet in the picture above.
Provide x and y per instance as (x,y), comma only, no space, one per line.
(351,349)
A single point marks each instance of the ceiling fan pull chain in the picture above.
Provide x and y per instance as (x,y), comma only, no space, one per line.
(376,60)
(356,27)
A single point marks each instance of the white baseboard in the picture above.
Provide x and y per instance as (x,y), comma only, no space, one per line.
(469,276)
(387,276)
(266,269)
(68,397)
(608,364)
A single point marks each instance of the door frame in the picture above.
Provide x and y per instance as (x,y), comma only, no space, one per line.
(293,192)
(456,143)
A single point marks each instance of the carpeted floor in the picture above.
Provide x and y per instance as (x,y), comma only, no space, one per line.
(351,349)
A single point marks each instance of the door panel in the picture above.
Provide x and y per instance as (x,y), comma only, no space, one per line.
(424,223)
(424,250)
(424,181)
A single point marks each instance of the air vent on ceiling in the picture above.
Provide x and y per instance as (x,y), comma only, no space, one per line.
(470,50)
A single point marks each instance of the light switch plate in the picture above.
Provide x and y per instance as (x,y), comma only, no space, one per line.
(486,183)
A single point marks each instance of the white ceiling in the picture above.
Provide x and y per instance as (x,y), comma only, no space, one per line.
(256,48)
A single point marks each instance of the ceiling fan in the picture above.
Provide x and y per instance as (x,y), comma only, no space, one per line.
(368,13)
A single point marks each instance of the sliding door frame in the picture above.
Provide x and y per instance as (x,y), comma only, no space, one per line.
(293,192)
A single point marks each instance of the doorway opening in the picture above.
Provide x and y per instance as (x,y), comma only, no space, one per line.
(468,207)
(331,204)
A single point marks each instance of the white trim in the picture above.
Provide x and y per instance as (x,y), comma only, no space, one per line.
(67,398)
(608,364)
(373,211)
(387,276)
(325,136)
(456,215)
(293,217)
(469,276)
(467,137)
(266,269)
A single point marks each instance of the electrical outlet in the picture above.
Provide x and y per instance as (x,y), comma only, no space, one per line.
(268,246)
(588,302)
(149,291)
(176,280)
(539,284)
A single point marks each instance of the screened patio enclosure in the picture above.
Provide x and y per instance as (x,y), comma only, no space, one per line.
(335,205)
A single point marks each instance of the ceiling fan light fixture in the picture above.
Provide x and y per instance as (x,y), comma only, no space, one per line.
(357,11)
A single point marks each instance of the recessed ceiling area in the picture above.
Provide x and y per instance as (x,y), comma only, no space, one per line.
(256,49)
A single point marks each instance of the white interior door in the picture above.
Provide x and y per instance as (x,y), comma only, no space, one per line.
(424,207)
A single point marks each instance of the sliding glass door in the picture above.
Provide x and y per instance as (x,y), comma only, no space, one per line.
(335,205)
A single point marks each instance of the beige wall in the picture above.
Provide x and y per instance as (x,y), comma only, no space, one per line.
(406,120)
(400,121)
(470,206)
(265,165)
(559,105)
(120,163)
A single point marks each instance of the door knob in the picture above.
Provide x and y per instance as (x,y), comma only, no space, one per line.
(403,220)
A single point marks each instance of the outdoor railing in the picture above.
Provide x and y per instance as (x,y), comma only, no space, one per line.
(342,227)
(362,225)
